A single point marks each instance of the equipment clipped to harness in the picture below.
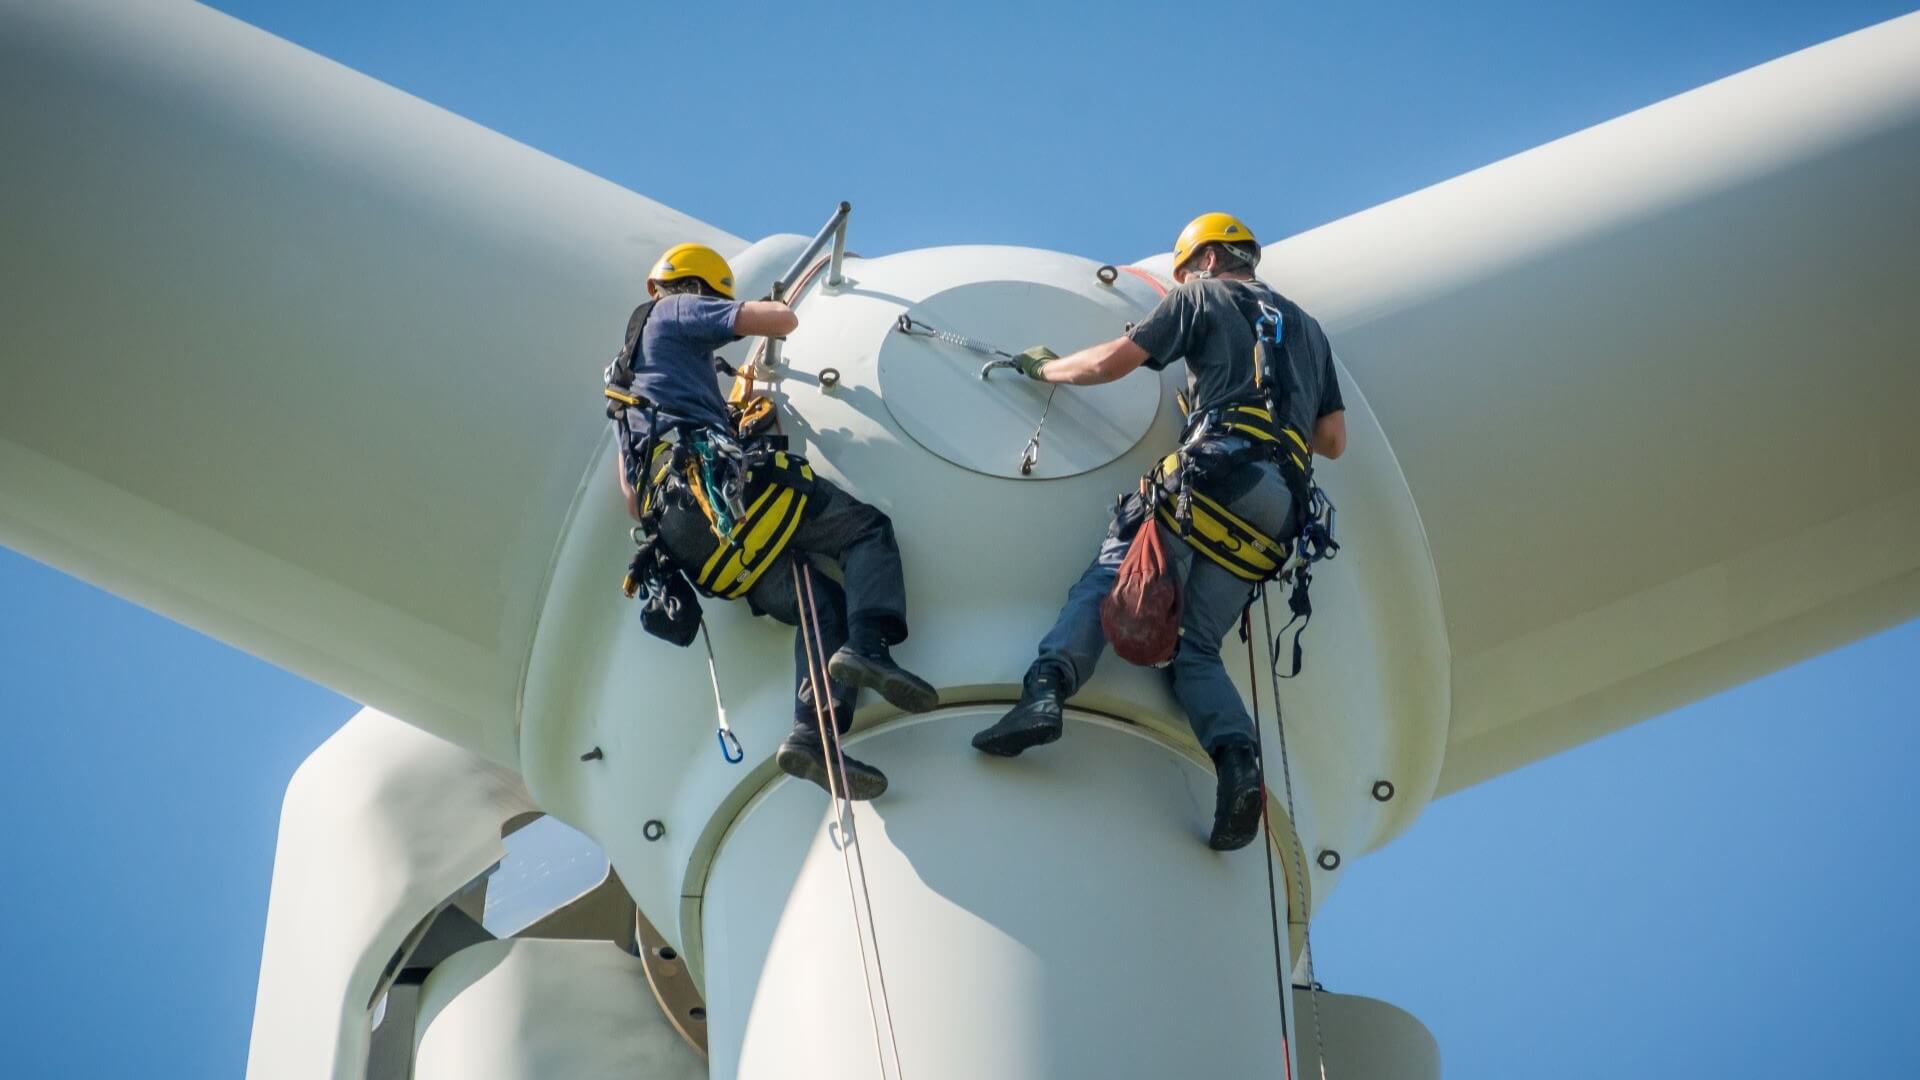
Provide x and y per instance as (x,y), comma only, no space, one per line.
(1314,544)
(779,487)
(1140,615)
(722,731)
(669,608)
(1217,443)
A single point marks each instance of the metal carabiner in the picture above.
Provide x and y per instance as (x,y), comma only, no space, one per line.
(729,745)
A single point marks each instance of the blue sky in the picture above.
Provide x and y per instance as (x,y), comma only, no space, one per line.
(1718,892)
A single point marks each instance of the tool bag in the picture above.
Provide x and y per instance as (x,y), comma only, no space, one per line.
(669,608)
(1141,614)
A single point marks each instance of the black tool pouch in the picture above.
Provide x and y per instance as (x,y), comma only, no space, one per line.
(672,611)
(669,608)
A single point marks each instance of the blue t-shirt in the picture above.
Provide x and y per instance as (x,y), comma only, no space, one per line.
(675,367)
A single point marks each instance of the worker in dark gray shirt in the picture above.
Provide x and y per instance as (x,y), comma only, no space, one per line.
(671,344)
(1209,320)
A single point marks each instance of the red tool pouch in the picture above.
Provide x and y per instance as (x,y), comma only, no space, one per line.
(1141,616)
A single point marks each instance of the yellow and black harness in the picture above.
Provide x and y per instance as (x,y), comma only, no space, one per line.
(1238,546)
(1224,437)
(752,491)
(778,486)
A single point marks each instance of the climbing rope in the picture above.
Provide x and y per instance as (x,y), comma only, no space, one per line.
(1299,861)
(828,721)
(1282,984)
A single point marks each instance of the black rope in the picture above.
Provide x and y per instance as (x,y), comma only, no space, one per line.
(1280,978)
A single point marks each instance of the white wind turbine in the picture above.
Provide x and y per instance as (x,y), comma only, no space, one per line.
(1632,424)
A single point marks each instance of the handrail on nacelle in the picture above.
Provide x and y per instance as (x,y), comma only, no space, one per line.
(836,230)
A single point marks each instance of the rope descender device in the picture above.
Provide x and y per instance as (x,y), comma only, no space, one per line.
(722,731)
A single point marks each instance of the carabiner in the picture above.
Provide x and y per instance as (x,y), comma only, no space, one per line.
(729,746)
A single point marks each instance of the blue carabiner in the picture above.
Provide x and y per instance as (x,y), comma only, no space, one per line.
(729,746)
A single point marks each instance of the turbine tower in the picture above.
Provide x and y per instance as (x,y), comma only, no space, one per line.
(1630,425)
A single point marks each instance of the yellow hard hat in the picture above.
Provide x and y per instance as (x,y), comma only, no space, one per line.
(1207,229)
(693,261)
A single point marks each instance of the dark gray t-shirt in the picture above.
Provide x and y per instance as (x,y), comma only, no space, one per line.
(1202,322)
(674,368)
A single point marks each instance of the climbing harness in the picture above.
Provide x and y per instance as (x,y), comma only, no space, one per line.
(1227,436)
(722,731)
(745,552)
(826,717)
(1298,877)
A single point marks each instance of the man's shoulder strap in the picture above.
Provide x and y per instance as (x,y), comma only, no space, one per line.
(621,373)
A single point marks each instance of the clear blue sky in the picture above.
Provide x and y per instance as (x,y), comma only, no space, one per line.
(1720,892)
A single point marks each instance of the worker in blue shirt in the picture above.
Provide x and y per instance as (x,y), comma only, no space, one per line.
(693,313)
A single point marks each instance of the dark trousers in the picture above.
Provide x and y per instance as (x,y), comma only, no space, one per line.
(871,603)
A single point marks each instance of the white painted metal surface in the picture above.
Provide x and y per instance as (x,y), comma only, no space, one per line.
(381,825)
(1053,917)
(933,389)
(597,680)
(269,372)
(541,1010)
(1366,1038)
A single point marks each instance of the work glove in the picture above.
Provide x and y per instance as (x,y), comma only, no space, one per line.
(1031,361)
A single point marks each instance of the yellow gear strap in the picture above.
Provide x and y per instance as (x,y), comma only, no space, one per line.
(762,535)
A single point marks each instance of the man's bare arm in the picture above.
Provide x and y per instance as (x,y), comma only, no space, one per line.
(626,489)
(1330,435)
(765,318)
(1096,364)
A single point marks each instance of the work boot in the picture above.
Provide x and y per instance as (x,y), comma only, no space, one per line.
(1236,811)
(867,663)
(1035,721)
(801,755)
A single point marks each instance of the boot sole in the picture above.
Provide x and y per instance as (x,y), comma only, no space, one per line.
(1010,742)
(1242,824)
(862,783)
(902,690)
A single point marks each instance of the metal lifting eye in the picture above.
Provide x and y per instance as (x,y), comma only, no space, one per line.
(829,378)
(1107,274)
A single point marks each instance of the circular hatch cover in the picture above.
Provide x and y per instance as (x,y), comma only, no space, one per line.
(934,390)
